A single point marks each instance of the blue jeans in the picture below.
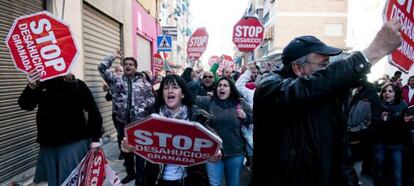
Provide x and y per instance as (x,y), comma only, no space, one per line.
(229,166)
(393,153)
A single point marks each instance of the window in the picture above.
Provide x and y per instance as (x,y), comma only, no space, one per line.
(333,30)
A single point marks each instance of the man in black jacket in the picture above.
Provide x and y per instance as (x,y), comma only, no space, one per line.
(299,134)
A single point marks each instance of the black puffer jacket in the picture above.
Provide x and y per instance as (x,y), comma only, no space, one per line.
(299,133)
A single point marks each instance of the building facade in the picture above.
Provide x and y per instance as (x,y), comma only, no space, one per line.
(100,27)
(284,20)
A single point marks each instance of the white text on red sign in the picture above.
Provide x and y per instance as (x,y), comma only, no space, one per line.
(50,52)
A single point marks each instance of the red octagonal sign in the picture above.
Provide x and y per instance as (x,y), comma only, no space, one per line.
(172,141)
(197,43)
(403,57)
(43,42)
(248,34)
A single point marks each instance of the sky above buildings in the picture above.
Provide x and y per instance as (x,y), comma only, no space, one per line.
(219,17)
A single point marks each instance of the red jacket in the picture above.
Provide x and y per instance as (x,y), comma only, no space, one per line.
(405,90)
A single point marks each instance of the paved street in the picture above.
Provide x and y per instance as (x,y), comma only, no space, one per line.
(112,153)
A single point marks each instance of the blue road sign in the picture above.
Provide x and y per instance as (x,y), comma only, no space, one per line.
(164,43)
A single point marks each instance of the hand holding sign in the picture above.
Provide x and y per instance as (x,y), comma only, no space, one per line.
(33,78)
(172,141)
(126,147)
(215,157)
(387,40)
(402,12)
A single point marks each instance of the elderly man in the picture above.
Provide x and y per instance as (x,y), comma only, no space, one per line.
(299,133)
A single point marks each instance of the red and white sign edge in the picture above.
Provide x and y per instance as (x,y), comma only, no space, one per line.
(215,137)
(75,57)
(390,61)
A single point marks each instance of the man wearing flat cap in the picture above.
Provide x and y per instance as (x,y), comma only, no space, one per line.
(299,115)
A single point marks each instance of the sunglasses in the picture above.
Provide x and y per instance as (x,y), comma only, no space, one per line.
(205,77)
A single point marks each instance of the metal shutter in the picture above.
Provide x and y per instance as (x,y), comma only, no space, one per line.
(101,37)
(17,127)
(144,54)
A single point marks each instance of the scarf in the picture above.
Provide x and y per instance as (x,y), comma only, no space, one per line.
(180,114)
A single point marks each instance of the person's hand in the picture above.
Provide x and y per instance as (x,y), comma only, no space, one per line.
(125,146)
(408,118)
(384,116)
(387,40)
(241,114)
(95,145)
(33,78)
(215,157)
(105,86)
(118,54)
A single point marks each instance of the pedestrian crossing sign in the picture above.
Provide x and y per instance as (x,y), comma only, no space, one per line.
(164,43)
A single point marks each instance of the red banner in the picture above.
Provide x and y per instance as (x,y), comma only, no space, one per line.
(43,42)
(402,10)
(92,170)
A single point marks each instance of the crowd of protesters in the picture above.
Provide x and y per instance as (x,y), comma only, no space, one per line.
(306,124)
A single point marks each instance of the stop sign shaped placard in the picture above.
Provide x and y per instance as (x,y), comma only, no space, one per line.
(225,61)
(164,140)
(43,42)
(248,34)
(197,43)
(157,63)
(402,10)
(212,60)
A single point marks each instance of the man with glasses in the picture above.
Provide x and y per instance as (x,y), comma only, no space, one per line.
(204,86)
(299,132)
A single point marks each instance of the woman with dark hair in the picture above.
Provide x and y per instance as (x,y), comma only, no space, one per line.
(230,113)
(188,74)
(174,101)
(389,135)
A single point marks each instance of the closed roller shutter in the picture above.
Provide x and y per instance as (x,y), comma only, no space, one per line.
(18,147)
(144,54)
(101,37)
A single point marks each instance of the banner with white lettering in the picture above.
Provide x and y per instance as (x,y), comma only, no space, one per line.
(402,10)
(44,43)
(172,141)
(92,170)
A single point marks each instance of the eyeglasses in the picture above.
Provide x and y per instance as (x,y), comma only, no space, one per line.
(207,77)
(322,64)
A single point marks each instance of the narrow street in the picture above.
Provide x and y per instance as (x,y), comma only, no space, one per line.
(112,153)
